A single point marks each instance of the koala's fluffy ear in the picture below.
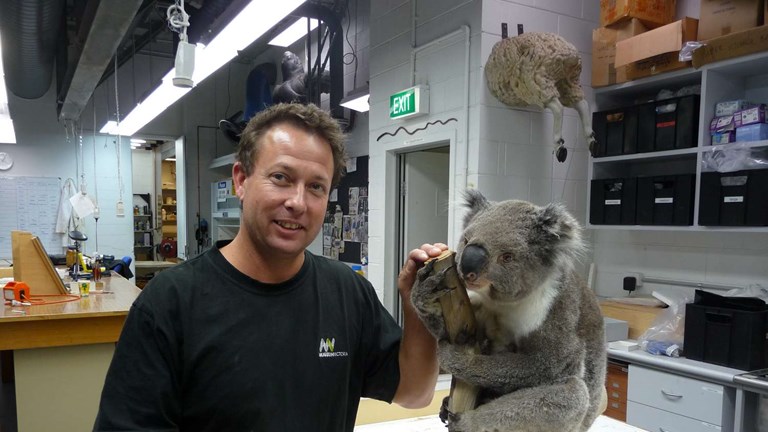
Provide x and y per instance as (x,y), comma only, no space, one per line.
(476,203)
(559,226)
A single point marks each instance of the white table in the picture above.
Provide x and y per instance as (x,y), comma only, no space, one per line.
(433,424)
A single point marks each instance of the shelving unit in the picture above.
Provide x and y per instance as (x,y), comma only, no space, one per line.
(741,78)
(143,229)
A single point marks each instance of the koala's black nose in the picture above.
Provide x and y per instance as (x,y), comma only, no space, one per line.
(473,259)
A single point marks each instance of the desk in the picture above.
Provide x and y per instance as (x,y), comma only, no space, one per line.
(433,424)
(143,267)
(61,355)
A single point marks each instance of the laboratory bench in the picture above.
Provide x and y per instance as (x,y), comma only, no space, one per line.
(669,393)
(61,353)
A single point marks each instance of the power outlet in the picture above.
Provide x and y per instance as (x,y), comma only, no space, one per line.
(631,281)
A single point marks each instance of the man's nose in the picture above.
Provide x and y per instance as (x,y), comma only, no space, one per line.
(296,201)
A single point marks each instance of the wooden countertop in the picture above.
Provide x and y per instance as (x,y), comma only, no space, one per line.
(97,318)
(433,424)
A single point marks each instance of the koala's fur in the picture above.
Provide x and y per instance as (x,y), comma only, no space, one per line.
(539,357)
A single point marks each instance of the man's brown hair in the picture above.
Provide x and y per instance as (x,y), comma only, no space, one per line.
(309,118)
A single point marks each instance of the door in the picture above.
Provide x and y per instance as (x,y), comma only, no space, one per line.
(181,200)
(424,198)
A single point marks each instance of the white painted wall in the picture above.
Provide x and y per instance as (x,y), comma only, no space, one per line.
(43,150)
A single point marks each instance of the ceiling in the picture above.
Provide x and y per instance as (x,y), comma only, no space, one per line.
(72,43)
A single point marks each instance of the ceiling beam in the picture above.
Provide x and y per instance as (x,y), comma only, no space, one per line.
(110,24)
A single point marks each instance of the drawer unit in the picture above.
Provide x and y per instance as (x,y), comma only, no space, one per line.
(616,376)
(699,400)
(653,419)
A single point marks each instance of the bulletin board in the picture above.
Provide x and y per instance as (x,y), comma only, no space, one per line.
(345,229)
(29,204)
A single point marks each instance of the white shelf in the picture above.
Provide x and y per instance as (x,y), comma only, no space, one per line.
(739,78)
(229,214)
(223,164)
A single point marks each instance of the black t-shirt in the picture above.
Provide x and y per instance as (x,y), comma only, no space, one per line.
(206,348)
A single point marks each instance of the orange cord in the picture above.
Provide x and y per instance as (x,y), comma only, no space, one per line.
(38,302)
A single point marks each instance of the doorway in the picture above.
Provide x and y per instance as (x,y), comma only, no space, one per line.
(171,201)
(424,198)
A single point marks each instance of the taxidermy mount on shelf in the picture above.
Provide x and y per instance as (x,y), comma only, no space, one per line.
(540,69)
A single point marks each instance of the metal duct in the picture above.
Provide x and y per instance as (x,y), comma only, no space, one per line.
(29,30)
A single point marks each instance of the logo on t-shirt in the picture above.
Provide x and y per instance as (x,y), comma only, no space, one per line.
(328,348)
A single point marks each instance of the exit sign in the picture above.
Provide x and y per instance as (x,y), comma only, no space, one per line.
(409,102)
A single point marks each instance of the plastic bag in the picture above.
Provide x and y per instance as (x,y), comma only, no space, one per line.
(668,327)
(733,157)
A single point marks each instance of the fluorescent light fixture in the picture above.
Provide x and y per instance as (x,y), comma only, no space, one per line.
(294,32)
(357,100)
(252,22)
(109,127)
(172,159)
(7,133)
(138,141)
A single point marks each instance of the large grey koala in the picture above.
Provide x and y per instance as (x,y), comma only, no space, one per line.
(539,356)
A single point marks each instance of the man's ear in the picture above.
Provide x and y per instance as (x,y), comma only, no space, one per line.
(238,178)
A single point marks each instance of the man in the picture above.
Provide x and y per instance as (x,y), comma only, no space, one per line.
(259,334)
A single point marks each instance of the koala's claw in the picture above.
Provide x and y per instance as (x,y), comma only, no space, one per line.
(446,416)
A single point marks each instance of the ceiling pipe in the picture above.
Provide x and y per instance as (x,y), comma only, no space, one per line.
(29,30)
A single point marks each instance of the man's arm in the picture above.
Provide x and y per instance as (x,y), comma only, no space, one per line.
(418,348)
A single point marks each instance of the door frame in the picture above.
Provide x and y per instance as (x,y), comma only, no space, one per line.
(392,244)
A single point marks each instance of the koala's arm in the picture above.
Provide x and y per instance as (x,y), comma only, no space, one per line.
(508,371)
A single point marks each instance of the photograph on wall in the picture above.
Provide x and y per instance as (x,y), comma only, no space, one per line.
(348,231)
(363,252)
(364,191)
(354,194)
(362,205)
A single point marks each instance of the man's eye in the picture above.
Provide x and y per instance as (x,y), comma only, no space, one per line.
(317,187)
(279,177)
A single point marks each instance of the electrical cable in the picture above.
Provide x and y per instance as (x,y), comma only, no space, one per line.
(120,202)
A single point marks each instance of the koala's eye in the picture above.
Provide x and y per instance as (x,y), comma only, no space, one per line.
(506,258)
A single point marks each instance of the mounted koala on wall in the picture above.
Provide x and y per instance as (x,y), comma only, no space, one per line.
(539,354)
(540,69)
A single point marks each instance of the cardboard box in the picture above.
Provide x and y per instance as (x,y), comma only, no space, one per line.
(657,50)
(653,13)
(722,17)
(604,41)
(733,45)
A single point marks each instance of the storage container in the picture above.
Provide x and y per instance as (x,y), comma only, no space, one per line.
(726,336)
(615,132)
(665,200)
(612,202)
(734,199)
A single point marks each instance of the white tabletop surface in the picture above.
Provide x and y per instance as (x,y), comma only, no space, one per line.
(433,424)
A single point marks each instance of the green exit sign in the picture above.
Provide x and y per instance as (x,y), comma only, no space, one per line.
(409,102)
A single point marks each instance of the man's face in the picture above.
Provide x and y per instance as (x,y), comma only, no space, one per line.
(285,197)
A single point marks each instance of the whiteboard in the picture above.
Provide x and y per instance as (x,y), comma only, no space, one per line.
(29,204)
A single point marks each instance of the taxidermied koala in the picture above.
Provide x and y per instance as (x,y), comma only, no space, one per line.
(539,355)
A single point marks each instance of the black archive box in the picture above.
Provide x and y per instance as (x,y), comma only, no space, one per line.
(734,199)
(676,123)
(727,335)
(665,200)
(615,132)
(612,202)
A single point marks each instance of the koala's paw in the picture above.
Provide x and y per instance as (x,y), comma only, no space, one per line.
(449,418)
(428,288)
(455,359)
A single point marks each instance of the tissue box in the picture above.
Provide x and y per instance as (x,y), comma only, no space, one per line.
(750,116)
(727,108)
(722,124)
(753,132)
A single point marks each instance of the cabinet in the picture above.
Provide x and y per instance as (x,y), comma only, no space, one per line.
(143,229)
(654,171)
(659,400)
